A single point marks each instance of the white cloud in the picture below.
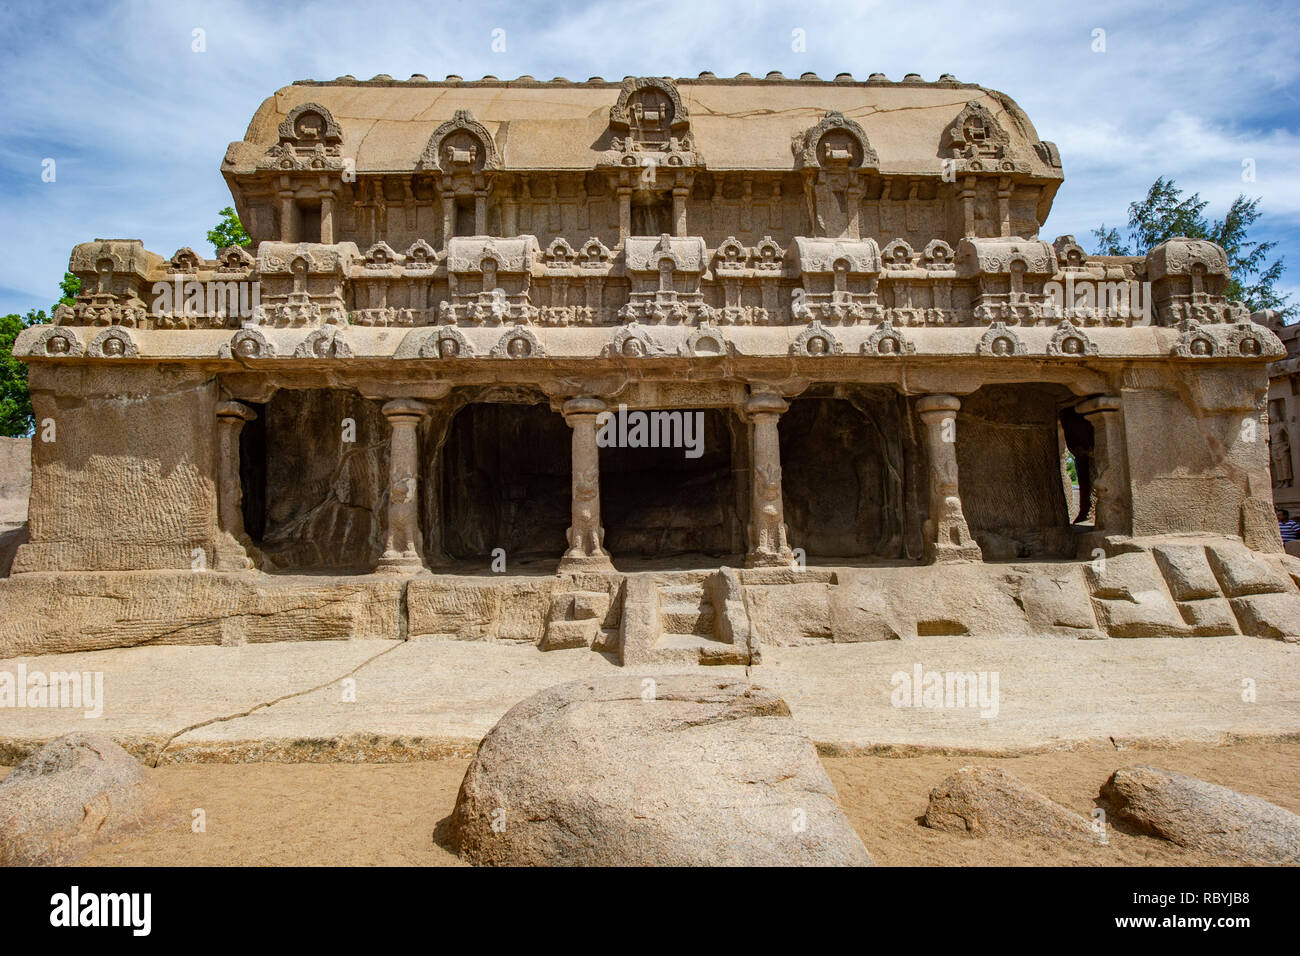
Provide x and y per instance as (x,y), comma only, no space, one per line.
(139,122)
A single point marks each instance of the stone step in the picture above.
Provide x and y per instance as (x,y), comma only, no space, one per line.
(681,592)
(686,617)
(682,642)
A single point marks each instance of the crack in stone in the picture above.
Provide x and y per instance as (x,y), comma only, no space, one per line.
(265,704)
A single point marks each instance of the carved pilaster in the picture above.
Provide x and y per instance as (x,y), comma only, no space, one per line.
(947,536)
(404,550)
(234,550)
(586,535)
(768,545)
(1114,512)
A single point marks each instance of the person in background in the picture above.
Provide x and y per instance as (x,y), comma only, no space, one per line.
(1288,526)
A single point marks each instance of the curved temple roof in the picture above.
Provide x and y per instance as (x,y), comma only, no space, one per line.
(743,123)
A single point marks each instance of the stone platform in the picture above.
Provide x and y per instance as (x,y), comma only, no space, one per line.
(429,698)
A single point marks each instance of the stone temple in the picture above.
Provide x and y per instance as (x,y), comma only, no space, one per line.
(668,369)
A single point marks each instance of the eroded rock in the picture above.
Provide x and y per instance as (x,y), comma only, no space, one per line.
(989,802)
(675,771)
(71,795)
(1203,816)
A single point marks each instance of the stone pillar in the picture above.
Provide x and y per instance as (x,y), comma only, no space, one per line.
(480,212)
(288,218)
(586,536)
(404,551)
(327,218)
(768,546)
(679,210)
(1114,512)
(624,212)
(947,537)
(448,217)
(234,550)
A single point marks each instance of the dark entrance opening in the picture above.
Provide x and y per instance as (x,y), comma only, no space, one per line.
(849,473)
(1012,467)
(660,502)
(252,473)
(314,474)
(506,482)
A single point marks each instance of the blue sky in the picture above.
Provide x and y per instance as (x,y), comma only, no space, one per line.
(137,121)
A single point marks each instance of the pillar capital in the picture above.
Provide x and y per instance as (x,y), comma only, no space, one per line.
(582,405)
(938,405)
(235,411)
(766,403)
(399,408)
(1099,405)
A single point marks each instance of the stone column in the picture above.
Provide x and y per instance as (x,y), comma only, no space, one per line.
(404,553)
(768,546)
(1114,511)
(586,536)
(947,537)
(624,212)
(288,218)
(234,550)
(327,218)
(679,210)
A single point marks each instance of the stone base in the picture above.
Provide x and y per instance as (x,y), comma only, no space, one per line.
(1166,587)
(571,563)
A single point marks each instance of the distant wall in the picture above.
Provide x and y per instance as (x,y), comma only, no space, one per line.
(15,480)
(15,489)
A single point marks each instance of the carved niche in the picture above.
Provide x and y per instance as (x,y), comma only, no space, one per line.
(650,115)
(310,138)
(1000,342)
(832,155)
(1070,342)
(55,342)
(816,342)
(460,145)
(975,134)
(114,342)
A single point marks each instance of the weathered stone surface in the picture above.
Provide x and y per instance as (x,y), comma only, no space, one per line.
(75,792)
(789,614)
(989,802)
(684,771)
(1146,614)
(1055,601)
(1186,571)
(1269,615)
(862,612)
(1241,572)
(1209,617)
(479,609)
(15,481)
(45,613)
(1203,816)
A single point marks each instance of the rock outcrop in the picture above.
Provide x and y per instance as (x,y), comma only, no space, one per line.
(670,771)
(71,795)
(1203,816)
(989,802)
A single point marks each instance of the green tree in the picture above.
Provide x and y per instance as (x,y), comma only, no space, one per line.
(16,416)
(70,286)
(228,232)
(1166,213)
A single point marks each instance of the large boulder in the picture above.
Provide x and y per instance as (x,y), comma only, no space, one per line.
(71,795)
(1203,816)
(678,770)
(989,802)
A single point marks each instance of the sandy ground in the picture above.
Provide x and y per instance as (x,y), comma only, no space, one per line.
(386,814)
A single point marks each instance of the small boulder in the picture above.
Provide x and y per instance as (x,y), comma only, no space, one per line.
(1203,816)
(71,795)
(680,770)
(989,802)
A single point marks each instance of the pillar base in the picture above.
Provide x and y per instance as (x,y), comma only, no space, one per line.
(585,562)
(948,554)
(401,564)
(769,559)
